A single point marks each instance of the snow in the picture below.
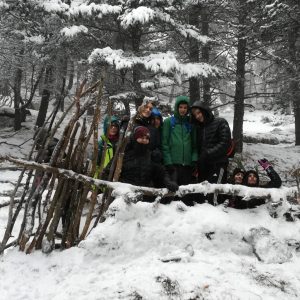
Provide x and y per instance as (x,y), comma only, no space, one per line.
(125,255)
(73,30)
(154,251)
(157,62)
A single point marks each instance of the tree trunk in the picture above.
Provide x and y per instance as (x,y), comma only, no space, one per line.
(239,97)
(205,55)
(136,73)
(194,82)
(17,99)
(293,71)
(45,97)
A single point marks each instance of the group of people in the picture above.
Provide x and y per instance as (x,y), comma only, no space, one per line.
(190,146)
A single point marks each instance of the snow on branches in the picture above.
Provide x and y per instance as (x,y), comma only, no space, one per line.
(157,62)
(73,30)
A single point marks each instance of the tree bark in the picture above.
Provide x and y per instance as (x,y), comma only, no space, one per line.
(293,33)
(205,55)
(45,97)
(17,99)
(194,82)
(239,97)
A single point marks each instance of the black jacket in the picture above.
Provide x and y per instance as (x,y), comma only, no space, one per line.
(139,169)
(275,182)
(155,137)
(213,136)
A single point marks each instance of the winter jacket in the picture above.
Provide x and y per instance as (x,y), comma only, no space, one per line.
(213,136)
(110,144)
(139,169)
(178,143)
(155,134)
(275,182)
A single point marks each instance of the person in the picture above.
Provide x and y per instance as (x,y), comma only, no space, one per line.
(143,115)
(155,134)
(107,141)
(178,145)
(138,168)
(251,179)
(213,137)
(235,201)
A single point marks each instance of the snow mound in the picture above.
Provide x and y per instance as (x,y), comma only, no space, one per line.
(148,251)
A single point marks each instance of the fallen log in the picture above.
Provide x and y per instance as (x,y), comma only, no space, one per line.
(127,189)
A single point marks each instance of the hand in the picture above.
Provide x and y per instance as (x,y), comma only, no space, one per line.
(172,186)
(264,163)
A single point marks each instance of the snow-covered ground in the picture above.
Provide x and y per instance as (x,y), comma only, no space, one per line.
(171,251)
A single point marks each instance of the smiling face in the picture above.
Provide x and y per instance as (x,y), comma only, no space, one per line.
(147,109)
(143,140)
(183,109)
(238,178)
(198,115)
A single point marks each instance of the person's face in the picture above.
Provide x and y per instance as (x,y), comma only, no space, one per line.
(156,122)
(113,129)
(183,109)
(238,178)
(252,180)
(143,140)
(147,110)
(198,115)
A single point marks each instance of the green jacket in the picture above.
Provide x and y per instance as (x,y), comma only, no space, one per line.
(109,148)
(178,138)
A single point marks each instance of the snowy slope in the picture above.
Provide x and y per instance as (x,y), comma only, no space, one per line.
(123,258)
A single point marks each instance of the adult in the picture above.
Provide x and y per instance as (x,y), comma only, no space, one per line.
(213,140)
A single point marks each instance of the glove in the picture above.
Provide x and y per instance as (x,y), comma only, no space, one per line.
(172,186)
(264,163)
(170,169)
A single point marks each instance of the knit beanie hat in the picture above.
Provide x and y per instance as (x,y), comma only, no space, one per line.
(140,132)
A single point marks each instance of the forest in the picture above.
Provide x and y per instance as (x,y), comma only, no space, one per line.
(244,53)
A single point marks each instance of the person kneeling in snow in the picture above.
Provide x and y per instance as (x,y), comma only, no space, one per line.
(138,168)
(251,179)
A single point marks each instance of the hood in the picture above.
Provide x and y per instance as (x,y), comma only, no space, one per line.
(156,113)
(208,115)
(106,124)
(235,171)
(245,181)
(179,100)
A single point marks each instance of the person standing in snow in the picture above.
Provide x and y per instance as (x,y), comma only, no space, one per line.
(155,134)
(213,138)
(107,143)
(179,151)
(138,168)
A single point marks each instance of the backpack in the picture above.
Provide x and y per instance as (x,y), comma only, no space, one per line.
(231,149)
